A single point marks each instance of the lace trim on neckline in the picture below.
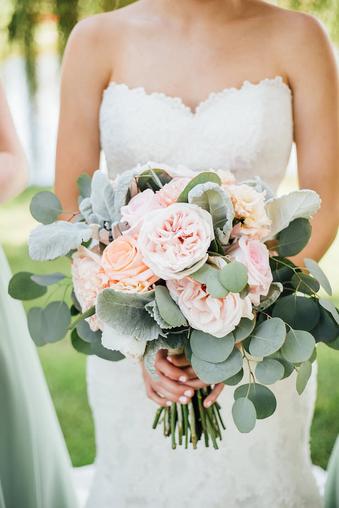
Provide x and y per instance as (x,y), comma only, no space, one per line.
(277,81)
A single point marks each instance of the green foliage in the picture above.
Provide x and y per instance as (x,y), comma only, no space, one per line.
(244,414)
(168,309)
(45,207)
(212,373)
(201,178)
(234,276)
(294,238)
(269,371)
(209,275)
(23,287)
(267,338)
(262,397)
(211,349)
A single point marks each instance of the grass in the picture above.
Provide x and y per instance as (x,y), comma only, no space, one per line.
(65,369)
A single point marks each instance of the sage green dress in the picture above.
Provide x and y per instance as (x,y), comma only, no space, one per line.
(35,471)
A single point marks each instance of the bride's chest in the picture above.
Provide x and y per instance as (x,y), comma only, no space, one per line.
(247,130)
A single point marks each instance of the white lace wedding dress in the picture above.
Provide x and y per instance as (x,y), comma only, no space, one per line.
(249,131)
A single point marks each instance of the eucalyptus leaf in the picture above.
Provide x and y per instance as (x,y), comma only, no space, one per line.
(153,178)
(153,310)
(294,238)
(23,287)
(203,177)
(318,274)
(243,329)
(84,183)
(233,276)
(126,313)
(305,283)
(326,329)
(122,185)
(267,338)
(45,207)
(299,312)
(298,346)
(54,240)
(304,374)
(282,269)
(211,349)
(85,333)
(274,292)
(209,275)
(284,209)
(244,414)
(331,309)
(94,348)
(212,373)
(168,309)
(262,397)
(269,371)
(212,198)
(48,279)
(57,317)
(36,325)
(234,380)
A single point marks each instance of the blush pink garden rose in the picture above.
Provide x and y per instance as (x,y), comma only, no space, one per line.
(176,238)
(134,212)
(123,268)
(171,191)
(255,256)
(249,207)
(86,281)
(216,316)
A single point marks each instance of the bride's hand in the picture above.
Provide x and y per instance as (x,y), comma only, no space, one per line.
(193,381)
(172,383)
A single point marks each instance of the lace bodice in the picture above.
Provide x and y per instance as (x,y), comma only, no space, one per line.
(248,130)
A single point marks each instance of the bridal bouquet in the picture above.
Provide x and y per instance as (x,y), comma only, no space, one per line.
(167,258)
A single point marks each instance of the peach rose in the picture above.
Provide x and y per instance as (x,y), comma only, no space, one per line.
(216,316)
(134,212)
(255,256)
(86,281)
(122,267)
(249,207)
(171,191)
(175,238)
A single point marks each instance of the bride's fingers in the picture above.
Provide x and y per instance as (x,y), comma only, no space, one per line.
(151,394)
(168,369)
(196,383)
(178,360)
(214,394)
(182,393)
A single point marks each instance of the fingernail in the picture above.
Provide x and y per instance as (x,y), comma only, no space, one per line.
(183,379)
(189,393)
(169,359)
(208,404)
(183,399)
(168,403)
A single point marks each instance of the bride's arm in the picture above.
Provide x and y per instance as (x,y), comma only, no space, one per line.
(313,76)
(12,159)
(86,70)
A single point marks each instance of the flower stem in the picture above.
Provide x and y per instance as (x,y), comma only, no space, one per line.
(202,417)
(192,425)
(88,313)
(173,424)
(157,417)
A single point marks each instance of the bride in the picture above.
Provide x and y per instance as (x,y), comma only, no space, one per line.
(227,84)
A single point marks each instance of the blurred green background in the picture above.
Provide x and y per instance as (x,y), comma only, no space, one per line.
(32,37)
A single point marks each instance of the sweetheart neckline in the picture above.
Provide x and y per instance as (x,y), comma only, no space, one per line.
(212,96)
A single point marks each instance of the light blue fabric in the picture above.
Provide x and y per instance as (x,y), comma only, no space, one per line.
(35,470)
(332,481)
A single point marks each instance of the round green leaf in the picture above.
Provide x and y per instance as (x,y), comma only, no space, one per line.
(331,309)
(94,348)
(267,338)
(206,176)
(153,178)
(299,312)
(36,325)
(210,348)
(244,329)
(304,374)
(281,272)
(84,183)
(45,207)
(269,371)
(234,380)
(233,276)
(48,280)
(212,373)
(22,287)
(168,309)
(318,274)
(293,239)
(298,346)
(244,414)
(334,344)
(326,329)
(85,333)
(262,397)
(209,276)
(305,283)
(57,317)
